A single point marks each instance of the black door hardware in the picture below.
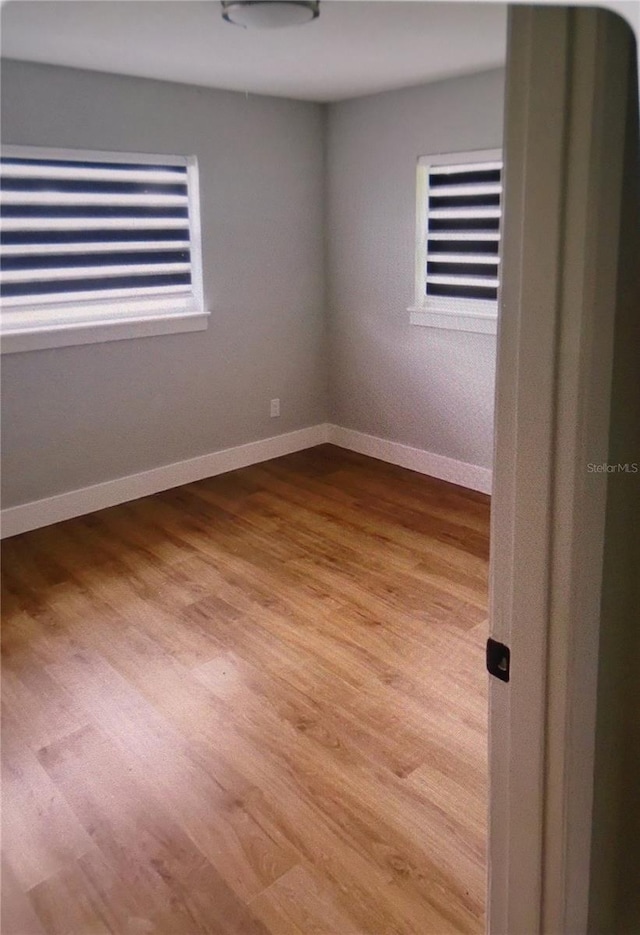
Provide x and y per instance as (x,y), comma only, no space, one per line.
(498,659)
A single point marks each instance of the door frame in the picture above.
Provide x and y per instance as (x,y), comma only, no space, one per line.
(564,141)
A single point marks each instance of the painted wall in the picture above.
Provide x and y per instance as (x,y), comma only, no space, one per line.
(80,415)
(285,185)
(426,387)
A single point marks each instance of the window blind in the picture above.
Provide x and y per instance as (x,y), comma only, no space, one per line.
(463,235)
(94,231)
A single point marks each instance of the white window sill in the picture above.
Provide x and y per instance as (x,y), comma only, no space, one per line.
(68,335)
(454,321)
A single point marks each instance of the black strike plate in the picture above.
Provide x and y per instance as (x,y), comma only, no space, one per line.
(498,659)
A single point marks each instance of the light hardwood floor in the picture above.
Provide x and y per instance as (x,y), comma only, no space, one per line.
(255,704)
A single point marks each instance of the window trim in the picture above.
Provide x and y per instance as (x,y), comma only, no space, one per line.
(455,314)
(135,317)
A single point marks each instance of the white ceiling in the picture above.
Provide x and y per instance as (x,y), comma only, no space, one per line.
(354,48)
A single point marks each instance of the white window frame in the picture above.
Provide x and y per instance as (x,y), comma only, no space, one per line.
(73,322)
(440,312)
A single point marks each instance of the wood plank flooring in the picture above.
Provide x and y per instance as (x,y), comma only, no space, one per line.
(254,705)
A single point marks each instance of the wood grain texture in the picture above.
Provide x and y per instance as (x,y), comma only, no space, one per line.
(254,705)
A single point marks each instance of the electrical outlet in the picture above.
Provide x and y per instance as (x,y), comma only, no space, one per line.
(275,408)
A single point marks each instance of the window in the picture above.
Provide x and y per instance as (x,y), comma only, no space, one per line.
(458,241)
(97,246)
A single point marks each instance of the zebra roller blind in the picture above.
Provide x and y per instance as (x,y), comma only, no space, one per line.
(461,236)
(97,235)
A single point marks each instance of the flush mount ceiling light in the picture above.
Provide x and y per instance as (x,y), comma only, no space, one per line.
(269,14)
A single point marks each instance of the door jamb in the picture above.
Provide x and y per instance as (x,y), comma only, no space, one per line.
(564,140)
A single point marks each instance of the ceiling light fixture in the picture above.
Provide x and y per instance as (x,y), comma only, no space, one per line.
(269,14)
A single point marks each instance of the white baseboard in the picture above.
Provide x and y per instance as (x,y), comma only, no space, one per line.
(37,513)
(64,506)
(417,459)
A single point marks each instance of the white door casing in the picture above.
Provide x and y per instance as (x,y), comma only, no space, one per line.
(564,140)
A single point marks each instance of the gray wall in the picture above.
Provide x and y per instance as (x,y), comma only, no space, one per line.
(79,415)
(272,172)
(426,387)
